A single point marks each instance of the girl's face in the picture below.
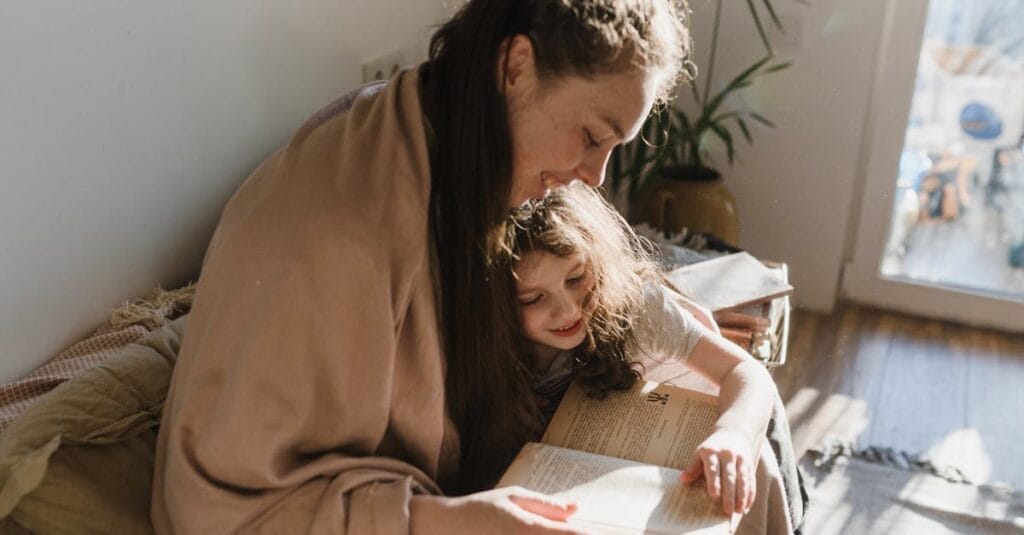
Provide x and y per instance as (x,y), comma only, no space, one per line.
(553,292)
(564,130)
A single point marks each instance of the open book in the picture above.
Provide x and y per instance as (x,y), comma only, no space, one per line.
(620,459)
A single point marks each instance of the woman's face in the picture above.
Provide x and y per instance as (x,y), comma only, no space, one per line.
(565,129)
(553,292)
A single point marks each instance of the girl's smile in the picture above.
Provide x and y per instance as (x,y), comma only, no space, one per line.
(569,330)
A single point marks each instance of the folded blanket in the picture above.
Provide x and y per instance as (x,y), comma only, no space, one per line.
(17,396)
(81,456)
(127,324)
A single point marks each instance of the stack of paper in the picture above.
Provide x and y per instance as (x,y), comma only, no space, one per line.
(750,300)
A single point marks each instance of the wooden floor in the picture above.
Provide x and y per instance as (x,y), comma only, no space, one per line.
(884,379)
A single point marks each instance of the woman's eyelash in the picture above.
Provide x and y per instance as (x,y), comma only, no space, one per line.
(591,142)
(533,301)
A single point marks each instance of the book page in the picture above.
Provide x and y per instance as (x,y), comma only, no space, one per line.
(651,423)
(614,495)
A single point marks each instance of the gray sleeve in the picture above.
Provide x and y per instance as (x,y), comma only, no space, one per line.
(664,330)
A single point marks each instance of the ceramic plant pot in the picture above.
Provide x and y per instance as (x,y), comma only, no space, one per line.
(691,198)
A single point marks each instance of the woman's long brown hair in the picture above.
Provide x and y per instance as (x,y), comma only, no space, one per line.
(487,385)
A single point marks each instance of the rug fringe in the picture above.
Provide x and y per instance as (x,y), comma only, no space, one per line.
(154,310)
(832,450)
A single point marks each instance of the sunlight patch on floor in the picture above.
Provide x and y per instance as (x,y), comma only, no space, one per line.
(837,416)
(965,450)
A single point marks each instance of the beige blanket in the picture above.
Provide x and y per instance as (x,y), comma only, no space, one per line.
(309,392)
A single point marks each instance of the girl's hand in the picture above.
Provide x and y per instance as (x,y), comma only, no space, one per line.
(726,461)
(504,510)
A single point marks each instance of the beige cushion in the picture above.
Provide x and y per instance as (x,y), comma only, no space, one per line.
(80,459)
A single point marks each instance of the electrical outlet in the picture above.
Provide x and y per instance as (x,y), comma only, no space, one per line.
(383,66)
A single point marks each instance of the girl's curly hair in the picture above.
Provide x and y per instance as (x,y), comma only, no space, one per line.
(577,219)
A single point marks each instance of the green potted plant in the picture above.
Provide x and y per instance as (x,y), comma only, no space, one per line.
(666,173)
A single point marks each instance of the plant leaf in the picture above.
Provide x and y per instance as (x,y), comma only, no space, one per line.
(662,136)
(682,118)
(742,77)
(653,143)
(746,79)
(710,75)
(761,119)
(775,17)
(760,28)
(696,93)
(726,138)
(678,149)
(744,129)
(724,116)
(691,134)
(642,149)
(688,138)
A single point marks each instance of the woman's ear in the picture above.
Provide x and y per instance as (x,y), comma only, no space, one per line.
(516,68)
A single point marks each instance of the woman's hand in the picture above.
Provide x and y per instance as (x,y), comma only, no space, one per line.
(726,461)
(504,510)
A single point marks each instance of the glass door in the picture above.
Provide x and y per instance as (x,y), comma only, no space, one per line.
(941,229)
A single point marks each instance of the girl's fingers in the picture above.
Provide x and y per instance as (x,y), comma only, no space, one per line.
(743,484)
(729,486)
(752,487)
(711,474)
(693,470)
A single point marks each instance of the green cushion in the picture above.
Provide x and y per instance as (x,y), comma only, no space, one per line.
(80,459)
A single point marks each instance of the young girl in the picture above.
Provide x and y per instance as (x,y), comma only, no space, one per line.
(590,304)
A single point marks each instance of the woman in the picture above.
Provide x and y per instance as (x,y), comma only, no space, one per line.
(341,365)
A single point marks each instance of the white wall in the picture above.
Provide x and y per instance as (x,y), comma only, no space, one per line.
(795,186)
(127,125)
